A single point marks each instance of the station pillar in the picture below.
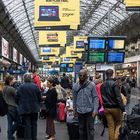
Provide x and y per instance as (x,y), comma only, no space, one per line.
(138,73)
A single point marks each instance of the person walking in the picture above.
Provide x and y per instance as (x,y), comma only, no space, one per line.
(51,108)
(9,96)
(36,79)
(28,98)
(85,104)
(65,82)
(113,104)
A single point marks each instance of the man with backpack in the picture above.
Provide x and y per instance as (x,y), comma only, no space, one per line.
(112,102)
(85,104)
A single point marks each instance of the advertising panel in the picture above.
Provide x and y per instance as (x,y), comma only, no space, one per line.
(79,43)
(24,59)
(49,51)
(14,55)
(20,59)
(57,14)
(52,38)
(5,48)
(132,5)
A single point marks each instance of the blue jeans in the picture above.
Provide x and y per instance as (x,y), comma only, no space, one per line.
(30,123)
(12,118)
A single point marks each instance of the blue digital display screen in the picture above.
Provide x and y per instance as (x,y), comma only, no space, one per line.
(69,69)
(49,11)
(66,59)
(46,49)
(66,67)
(97,43)
(116,44)
(79,44)
(115,57)
(63,65)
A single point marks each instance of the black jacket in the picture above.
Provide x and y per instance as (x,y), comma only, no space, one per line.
(111,95)
(65,82)
(28,97)
(51,103)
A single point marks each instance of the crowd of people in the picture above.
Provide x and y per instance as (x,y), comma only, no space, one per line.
(85,99)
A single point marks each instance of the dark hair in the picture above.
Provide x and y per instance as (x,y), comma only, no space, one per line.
(109,73)
(51,80)
(123,78)
(56,81)
(64,74)
(34,71)
(98,76)
(8,79)
(117,78)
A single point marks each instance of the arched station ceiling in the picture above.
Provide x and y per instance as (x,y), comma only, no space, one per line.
(94,19)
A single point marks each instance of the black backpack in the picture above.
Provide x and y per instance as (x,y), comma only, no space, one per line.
(136,109)
(3,105)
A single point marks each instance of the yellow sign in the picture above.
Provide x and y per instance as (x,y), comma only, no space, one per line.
(79,43)
(52,38)
(132,5)
(71,52)
(49,51)
(57,14)
(68,60)
(50,60)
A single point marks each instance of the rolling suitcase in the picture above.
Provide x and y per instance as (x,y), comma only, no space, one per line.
(73,129)
(131,129)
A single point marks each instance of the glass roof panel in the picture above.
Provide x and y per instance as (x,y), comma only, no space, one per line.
(95,15)
(16,9)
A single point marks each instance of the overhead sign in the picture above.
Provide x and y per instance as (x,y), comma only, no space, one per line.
(79,43)
(57,14)
(50,59)
(68,60)
(132,5)
(5,48)
(52,38)
(70,52)
(49,51)
(66,67)
(14,55)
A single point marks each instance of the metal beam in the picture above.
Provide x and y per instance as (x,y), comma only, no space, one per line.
(30,25)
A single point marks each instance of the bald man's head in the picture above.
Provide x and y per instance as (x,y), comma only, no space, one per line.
(83,76)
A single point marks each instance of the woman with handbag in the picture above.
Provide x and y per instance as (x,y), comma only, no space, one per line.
(51,108)
(9,94)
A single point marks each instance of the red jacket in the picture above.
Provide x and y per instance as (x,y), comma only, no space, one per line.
(37,81)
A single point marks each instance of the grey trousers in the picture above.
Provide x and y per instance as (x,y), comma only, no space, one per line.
(86,126)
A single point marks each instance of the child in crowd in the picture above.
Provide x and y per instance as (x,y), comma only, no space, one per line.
(69,108)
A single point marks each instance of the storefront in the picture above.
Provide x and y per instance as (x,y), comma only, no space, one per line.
(129,70)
